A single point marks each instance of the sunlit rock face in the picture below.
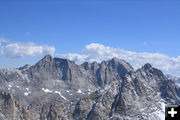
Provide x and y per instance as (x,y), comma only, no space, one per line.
(60,89)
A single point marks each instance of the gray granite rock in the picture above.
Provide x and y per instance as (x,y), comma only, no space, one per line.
(60,89)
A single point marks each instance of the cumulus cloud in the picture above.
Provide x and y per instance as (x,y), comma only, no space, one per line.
(99,52)
(19,49)
(75,57)
(93,52)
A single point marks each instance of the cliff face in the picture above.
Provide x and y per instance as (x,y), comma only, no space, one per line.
(10,109)
(59,89)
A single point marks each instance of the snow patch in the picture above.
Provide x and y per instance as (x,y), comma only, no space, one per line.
(89,90)
(161,111)
(46,90)
(79,91)
(27,93)
(178,84)
(61,95)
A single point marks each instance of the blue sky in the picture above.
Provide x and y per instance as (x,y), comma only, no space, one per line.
(150,26)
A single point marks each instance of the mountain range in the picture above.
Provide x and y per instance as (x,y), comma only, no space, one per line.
(60,89)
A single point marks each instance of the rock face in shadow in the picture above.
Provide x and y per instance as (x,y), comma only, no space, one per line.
(106,71)
(11,109)
(59,89)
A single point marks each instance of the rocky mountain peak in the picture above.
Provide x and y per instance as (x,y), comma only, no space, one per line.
(115,59)
(116,62)
(107,90)
(147,66)
(46,58)
(45,64)
(25,67)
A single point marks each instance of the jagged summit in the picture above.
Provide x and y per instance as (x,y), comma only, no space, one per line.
(49,58)
(25,67)
(151,70)
(116,61)
(147,65)
(46,58)
(56,89)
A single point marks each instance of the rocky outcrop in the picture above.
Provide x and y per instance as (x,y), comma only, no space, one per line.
(10,109)
(107,71)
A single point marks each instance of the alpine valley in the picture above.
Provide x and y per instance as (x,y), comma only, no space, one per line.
(60,89)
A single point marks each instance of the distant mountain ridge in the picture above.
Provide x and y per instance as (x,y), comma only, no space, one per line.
(176,79)
(59,89)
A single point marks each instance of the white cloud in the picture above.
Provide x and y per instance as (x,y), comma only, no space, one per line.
(94,52)
(99,52)
(75,57)
(20,49)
